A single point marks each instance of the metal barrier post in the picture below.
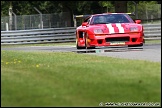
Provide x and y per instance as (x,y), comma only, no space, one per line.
(41,24)
(10,17)
(15,20)
(6,26)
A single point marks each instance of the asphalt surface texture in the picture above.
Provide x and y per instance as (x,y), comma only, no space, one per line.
(148,52)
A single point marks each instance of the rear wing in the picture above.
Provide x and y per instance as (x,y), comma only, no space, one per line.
(131,14)
(81,16)
(85,16)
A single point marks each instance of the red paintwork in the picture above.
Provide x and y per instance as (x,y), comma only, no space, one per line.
(120,32)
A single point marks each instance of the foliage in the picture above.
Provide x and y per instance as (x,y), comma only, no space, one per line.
(75,7)
(107,5)
(148,10)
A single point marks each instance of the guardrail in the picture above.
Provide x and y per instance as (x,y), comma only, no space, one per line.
(61,35)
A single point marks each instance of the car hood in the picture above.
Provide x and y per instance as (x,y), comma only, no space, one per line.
(117,27)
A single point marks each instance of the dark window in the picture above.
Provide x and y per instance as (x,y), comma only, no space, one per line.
(111,18)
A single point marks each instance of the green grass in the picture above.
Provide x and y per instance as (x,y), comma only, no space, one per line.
(43,44)
(70,43)
(71,79)
(153,42)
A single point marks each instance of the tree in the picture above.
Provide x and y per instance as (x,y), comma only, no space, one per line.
(107,6)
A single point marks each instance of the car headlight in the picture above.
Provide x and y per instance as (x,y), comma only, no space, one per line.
(132,29)
(97,31)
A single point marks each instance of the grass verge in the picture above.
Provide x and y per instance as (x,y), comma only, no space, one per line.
(70,79)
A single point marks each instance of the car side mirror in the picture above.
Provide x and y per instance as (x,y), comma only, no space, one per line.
(84,23)
(138,21)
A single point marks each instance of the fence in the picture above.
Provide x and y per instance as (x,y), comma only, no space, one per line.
(148,14)
(25,22)
(53,35)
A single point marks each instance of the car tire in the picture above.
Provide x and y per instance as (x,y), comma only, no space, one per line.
(78,47)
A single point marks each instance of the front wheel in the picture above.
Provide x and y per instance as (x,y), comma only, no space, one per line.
(78,47)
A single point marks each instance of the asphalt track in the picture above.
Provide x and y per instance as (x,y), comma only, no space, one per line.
(149,52)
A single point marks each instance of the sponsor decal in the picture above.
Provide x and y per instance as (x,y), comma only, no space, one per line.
(117,43)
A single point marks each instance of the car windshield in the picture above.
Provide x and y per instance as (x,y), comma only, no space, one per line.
(111,18)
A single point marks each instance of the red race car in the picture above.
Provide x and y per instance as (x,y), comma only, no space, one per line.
(109,29)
